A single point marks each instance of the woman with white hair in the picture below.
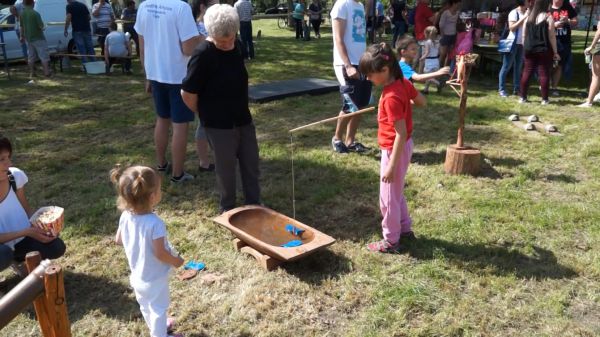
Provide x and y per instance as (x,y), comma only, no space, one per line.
(216,88)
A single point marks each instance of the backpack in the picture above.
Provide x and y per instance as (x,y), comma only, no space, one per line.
(412,13)
(12,182)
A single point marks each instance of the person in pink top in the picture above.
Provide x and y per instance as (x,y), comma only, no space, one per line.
(394,137)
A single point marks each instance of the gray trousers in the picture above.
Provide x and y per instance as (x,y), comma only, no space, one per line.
(231,146)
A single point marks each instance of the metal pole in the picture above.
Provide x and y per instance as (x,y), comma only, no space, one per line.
(587,35)
(22,294)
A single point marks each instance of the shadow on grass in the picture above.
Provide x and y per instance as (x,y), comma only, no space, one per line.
(502,259)
(487,167)
(561,178)
(428,158)
(87,293)
(318,267)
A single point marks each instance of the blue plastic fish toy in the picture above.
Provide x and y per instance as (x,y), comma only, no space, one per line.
(291,244)
(293,230)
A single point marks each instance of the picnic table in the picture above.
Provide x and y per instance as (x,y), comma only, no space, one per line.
(489,55)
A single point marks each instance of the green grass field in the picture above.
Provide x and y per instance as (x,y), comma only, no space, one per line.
(513,252)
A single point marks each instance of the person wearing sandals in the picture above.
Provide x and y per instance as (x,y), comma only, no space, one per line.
(17,236)
(216,88)
(593,51)
(144,238)
(394,137)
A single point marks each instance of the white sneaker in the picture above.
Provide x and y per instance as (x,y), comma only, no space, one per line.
(545,102)
(585,105)
(523,100)
(555,93)
(597,98)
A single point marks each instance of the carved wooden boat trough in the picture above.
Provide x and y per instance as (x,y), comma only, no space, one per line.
(261,232)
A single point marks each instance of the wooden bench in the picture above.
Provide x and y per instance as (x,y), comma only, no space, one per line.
(489,56)
(54,57)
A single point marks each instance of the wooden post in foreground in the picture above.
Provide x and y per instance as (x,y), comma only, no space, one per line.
(56,303)
(462,159)
(32,260)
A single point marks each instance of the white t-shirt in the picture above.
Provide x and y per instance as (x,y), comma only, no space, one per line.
(355,36)
(137,233)
(514,16)
(165,24)
(116,42)
(12,214)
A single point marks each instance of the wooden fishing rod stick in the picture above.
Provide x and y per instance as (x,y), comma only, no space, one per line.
(362,111)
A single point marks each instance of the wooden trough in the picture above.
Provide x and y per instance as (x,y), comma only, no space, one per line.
(261,232)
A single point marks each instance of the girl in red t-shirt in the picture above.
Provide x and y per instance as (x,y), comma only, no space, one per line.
(394,138)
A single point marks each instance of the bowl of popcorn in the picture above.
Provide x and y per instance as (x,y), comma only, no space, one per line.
(49,218)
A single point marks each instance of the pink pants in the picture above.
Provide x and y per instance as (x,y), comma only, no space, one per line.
(392,202)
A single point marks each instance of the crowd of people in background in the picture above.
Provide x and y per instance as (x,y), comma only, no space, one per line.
(540,42)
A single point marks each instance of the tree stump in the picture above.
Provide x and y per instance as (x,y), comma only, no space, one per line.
(462,160)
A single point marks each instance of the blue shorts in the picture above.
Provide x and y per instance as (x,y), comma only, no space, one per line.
(359,91)
(169,104)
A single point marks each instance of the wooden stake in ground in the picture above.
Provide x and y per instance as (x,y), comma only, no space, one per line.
(461,159)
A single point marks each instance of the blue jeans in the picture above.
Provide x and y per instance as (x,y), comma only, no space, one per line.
(83,41)
(513,60)
(51,250)
(399,30)
(246,37)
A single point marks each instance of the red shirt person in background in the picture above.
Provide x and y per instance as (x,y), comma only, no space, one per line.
(424,17)
(565,18)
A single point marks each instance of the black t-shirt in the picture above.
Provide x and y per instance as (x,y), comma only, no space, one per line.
(563,35)
(315,8)
(398,6)
(220,80)
(80,16)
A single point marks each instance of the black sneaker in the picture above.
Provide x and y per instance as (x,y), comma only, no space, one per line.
(164,168)
(210,168)
(357,147)
(339,146)
(182,178)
